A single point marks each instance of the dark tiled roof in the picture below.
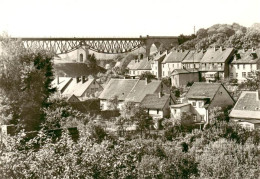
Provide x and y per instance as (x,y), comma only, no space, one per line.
(218,56)
(75,69)
(152,101)
(202,90)
(141,89)
(247,106)
(193,56)
(249,56)
(118,87)
(175,56)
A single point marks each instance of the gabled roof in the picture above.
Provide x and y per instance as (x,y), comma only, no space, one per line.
(217,56)
(202,90)
(175,56)
(193,57)
(129,89)
(247,106)
(141,89)
(249,56)
(143,64)
(118,87)
(152,101)
(63,81)
(77,88)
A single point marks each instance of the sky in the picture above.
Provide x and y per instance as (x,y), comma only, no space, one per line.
(121,18)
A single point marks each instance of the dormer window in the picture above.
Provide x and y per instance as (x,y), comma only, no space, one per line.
(244,107)
(253,55)
(257,108)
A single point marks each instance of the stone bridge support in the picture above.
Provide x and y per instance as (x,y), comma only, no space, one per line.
(161,43)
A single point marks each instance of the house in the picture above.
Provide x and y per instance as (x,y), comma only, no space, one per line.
(82,88)
(245,64)
(246,111)
(205,96)
(156,64)
(181,77)
(138,66)
(61,83)
(173,61)
(73,99)
(157,105)
(214,65)
(132,90)
(192,60)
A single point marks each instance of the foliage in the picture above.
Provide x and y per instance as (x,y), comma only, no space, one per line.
(25,80)
(147,75)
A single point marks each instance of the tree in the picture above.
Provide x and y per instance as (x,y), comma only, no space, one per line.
(26,81)
(143,121)
(147,75)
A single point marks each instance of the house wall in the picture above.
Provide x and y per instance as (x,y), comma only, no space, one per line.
(92,89)
(179,80)
(199,109)
(176,112)
(156,113)
(246,124)
(191,65)
(167,68)
(104,104)
(156,69)
(221,99)
(237,70)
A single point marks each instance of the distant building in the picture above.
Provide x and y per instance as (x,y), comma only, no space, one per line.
(181,77)
(132,90)
(205,96)
(156,64)
(80,87)
(192,60)
(157,105)
(214,64)
(245,64)
(138,66)
(246,111)
(173,61)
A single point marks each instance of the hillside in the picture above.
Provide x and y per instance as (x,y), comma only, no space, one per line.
(225,35)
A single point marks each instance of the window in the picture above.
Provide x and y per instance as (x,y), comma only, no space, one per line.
(133,72)
(231,75)
(81,57)
(236,75)
(251,66)
(157,111)
(194,103)
(202,117)
(244,66)
(244,74)
(200,104)
(231,66)
(163,73)
(175,111)
(194,117)
(249,74)
(173,65)
(237,66)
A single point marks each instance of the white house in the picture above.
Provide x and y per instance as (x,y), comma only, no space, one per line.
(246,111)
(245,64)
(173,61)
(205,96)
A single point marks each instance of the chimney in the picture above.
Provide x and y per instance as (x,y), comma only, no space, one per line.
(160,94)
(146,81)
(82,79)
(58,80)
(220,49)
(77,79)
